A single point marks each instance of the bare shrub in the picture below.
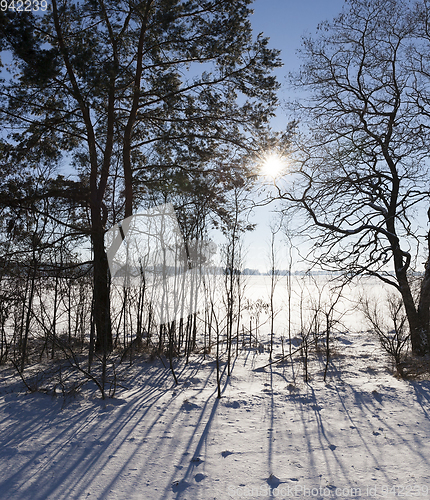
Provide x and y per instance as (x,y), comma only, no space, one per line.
(388,321)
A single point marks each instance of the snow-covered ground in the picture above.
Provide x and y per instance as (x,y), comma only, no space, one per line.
(362,434)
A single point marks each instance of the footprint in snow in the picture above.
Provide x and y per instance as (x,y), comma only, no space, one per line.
(179,486)
(199,477)
(273,481)
(377,396)
(232,404)
(226,453)
(188,405)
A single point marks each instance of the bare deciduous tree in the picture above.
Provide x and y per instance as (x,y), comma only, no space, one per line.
(361,176)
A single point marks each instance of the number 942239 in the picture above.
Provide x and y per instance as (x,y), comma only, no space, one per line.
(23,5)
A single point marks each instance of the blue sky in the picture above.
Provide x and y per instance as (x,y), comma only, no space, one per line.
(284,22)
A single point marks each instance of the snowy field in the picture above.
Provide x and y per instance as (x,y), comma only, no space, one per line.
(362,434)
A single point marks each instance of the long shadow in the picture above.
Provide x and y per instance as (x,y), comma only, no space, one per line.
(180,486)
(273,371)
(193,369)
(422,393)
(76,443)
(366,405)
(77,432)
(271,428)
(77,447)
(368,415)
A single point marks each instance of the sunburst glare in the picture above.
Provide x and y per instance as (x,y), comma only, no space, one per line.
(273,165)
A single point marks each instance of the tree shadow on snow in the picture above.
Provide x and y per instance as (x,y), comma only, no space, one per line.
(48,451)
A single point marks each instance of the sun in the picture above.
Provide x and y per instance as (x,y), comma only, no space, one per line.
(272,165)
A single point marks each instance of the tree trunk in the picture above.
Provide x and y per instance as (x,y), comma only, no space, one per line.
(416,327)
(29,313)
(424,306)
(104,341)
